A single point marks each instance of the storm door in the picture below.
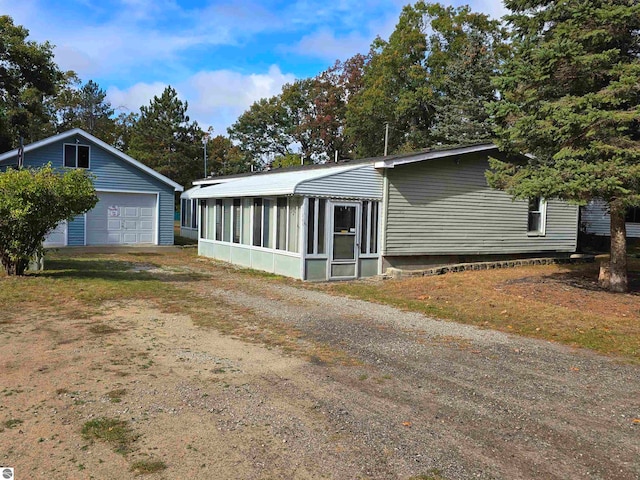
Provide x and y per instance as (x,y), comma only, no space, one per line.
(345,220)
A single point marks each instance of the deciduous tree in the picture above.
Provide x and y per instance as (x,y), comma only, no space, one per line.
(224,158)
(33,202)
(429,81)
(29,78)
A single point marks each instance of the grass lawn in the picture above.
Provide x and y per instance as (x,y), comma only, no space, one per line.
(562,303)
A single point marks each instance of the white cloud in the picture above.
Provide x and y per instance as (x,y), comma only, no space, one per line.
(216,98)
(132,98)
(326,45)
(495,9)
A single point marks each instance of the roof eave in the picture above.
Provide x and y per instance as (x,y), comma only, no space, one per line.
(432,155)
(78,131)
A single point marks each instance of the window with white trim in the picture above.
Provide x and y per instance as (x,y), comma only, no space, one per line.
(226,220)
(287,223)
(76,156)
(189,217)
(257,222)
(369,228)
(237,220)
(207,219)
(537,216)
(316,215)
(218,219)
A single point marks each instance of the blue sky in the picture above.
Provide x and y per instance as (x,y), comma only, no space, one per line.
(220,56)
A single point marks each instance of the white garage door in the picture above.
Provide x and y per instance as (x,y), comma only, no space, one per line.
(122,218)
(58,236)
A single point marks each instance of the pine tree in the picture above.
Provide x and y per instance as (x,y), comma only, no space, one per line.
(85,107)
(166,140)
(571,99)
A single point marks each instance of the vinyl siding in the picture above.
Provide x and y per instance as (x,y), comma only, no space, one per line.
(76,232)
(445,207)
(111,173)
(363,182)
(596,221)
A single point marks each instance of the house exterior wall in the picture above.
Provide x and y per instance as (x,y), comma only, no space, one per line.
(364,182)
(111,173)
(445,207)
(595,220)
(281,263)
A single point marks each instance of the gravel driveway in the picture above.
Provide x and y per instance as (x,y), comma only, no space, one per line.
(468,402)
(408,397)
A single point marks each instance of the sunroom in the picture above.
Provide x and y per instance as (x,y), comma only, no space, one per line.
(318,223)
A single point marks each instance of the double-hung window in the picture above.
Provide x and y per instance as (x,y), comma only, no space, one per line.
(76,156)
(537,216)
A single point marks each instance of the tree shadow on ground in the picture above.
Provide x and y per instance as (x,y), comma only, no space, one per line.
(583,277)
(113,270)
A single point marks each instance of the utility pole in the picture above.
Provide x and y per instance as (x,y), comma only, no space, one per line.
(205,140)
(386,138)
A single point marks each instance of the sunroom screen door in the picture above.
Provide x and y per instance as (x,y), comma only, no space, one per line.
(344,253)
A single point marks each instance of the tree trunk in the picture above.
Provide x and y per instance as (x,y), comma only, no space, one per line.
(618,265)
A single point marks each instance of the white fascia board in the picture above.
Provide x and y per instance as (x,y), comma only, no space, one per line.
(268,184)
(394,162)
(216,180)
(78,131)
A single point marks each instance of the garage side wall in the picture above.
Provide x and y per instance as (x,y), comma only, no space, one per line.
(112,174)
(445,207)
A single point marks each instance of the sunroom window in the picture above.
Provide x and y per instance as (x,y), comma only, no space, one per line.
(316,215)
(369,231)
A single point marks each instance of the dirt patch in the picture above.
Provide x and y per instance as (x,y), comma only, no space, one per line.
(300,384)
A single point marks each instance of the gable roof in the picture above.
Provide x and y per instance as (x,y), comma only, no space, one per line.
(396,160)
(388,161)
(114,151)
(277,183)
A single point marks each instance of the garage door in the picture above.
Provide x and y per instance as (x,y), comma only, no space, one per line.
(58,236)
(122,218)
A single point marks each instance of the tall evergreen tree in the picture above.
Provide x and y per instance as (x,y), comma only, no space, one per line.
(29,78)
(85,106)
(165,139)
(571,98)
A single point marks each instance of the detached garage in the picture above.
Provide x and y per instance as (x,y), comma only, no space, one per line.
(136,204)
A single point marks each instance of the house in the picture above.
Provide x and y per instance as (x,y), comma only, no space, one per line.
(356,219)
(595,220)
(136,204)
